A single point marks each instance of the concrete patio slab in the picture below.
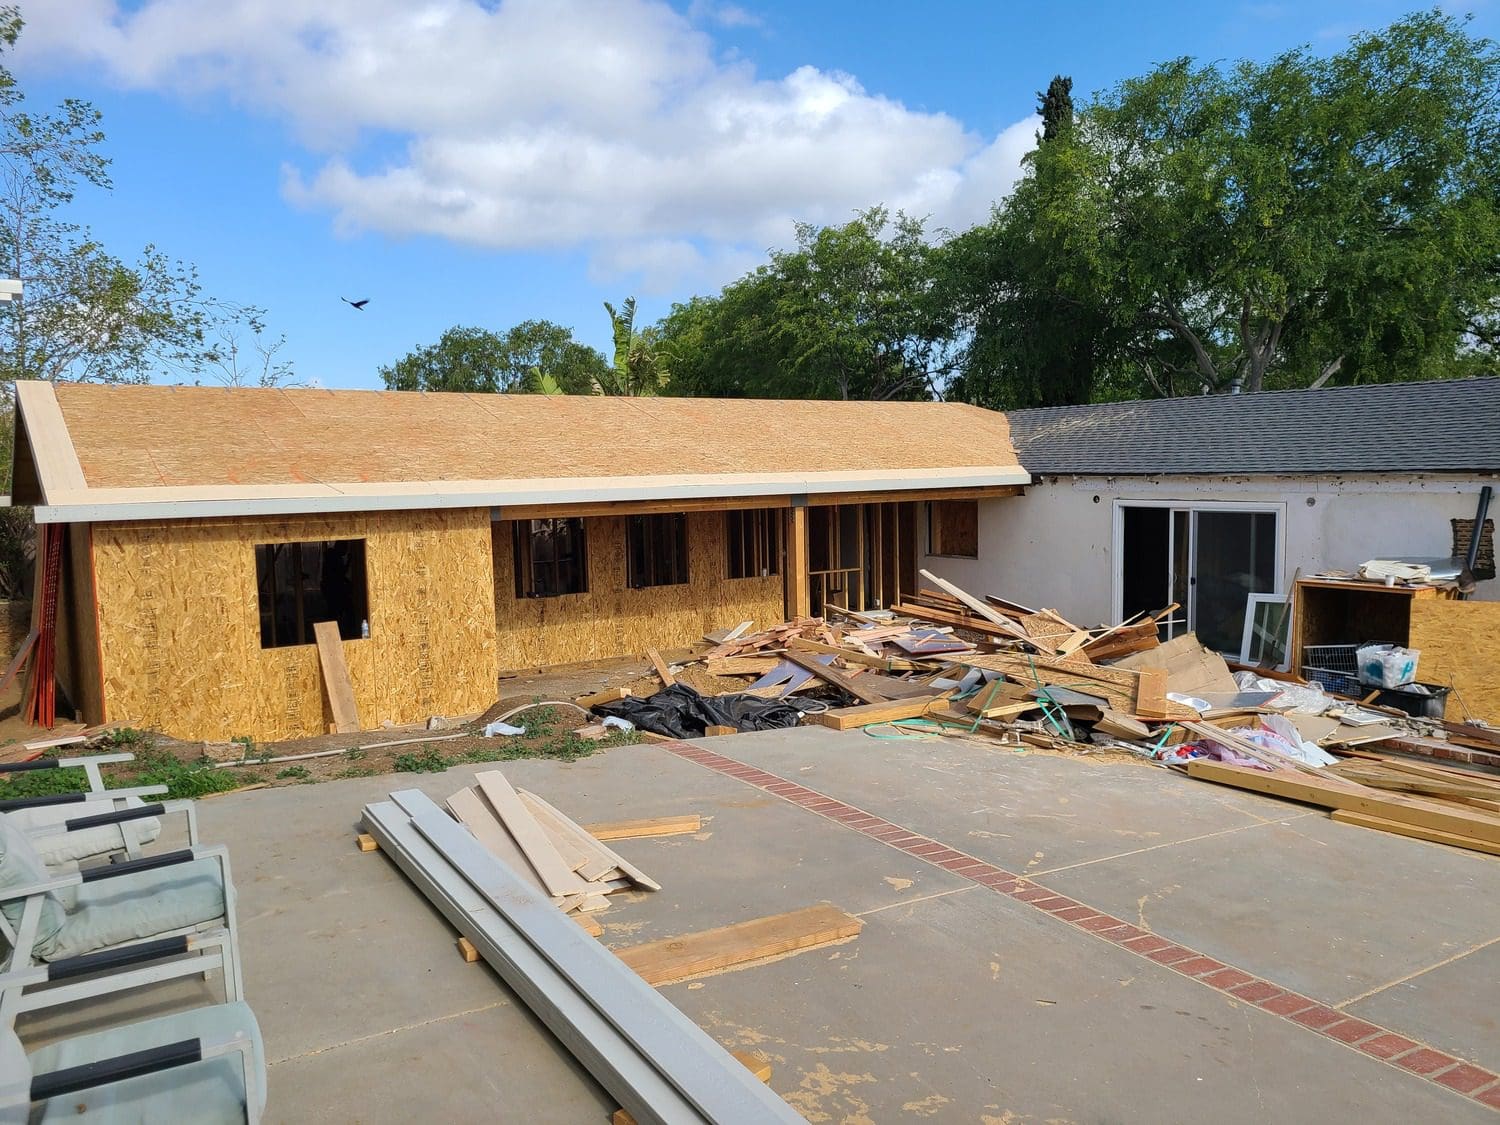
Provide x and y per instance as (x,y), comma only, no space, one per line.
(1451,1005)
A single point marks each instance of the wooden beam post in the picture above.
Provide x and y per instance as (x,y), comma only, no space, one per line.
(798,562)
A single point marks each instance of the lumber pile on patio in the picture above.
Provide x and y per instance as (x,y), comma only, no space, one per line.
(545,848)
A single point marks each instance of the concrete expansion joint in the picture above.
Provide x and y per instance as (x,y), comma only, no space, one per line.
(1410,1056)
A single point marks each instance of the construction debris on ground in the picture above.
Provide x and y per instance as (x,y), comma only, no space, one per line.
(946,662)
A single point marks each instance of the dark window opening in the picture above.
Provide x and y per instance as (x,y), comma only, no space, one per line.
(953,528)
(753,540)
(300,584)
(550,558)
(655,551)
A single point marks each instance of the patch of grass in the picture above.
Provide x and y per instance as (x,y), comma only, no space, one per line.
(128,738)
(42,783)
(293,773)
(355,771)
(421,761)
(354,755)
(188,779)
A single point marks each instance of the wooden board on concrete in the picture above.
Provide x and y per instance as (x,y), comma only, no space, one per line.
(651,826)
(336,680)
(1151,694)
(475,814)
(1433,835)
(530,837)
(707,951)
(1330,792)
(850,685)
(848,718)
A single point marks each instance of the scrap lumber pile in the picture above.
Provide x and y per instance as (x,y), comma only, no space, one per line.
(545,849)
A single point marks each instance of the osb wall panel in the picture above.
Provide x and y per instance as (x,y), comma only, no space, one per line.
(1460,645)
(611,620)
(180,627)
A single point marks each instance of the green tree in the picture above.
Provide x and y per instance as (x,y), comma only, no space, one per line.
(853,312)
(1055,106)
(85,314)
(1251,226)
(534,356)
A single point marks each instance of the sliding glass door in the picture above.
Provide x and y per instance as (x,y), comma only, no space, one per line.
(1207,559)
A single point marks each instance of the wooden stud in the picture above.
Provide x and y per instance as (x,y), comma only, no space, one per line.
(660,665)
(692,955)
(635,829)
(715,729)
(609,695)
(366,843)
(849,718)
(798,564)
(1433,835)
(836,678)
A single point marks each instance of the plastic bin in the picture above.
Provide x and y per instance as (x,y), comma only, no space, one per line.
(1414,703)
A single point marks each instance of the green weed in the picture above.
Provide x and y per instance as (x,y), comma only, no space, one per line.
(293,773)
(421,761)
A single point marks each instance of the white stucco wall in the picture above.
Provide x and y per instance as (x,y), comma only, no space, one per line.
(1052,546)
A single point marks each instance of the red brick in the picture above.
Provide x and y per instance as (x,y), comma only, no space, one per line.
(1490,1097)
(1256,991)
(974,868)
(1170,955)
(1287,1004)
(1352,1031)
(1126,932)
(1425,1061)
(1465,1078)
(953,863)
(929,848)
(1103,923)
(1032,894)
(1227,978)
(1052,902)
(1146,943)
(1387,1046)
(1075,914)
(1198,966)
(1318,1017)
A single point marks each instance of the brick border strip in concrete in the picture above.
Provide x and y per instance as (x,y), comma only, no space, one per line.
(1378,1042)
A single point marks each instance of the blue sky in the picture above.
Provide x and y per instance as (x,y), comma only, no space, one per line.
(466,163)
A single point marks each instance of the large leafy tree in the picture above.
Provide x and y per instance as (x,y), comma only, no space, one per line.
(1259,225)
(635,367)
(85,314)
(534,356)
(851,313)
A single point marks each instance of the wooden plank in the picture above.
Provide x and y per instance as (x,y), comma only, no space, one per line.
(20,658)
(609,695)
(588,924)
(631,872)
(1151,694)
(477,816)
(993,616)
(714,730)
(1344,816)
(649,826)
(660,665)
(848,718)
(846,684)
(851,656)
(1332,793)
(529,836)
(336,680)
(585,861)
(693,955)
(798,564)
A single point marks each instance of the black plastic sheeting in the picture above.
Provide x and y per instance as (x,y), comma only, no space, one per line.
(680,712)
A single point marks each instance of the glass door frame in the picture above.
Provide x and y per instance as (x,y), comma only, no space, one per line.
(1191,507)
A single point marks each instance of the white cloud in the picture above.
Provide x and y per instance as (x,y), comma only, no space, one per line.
(608,124)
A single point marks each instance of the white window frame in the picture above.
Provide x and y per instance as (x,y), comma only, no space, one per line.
(1248,637)
(1117,543)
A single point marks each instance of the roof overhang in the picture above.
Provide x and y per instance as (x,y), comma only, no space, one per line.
(91,505)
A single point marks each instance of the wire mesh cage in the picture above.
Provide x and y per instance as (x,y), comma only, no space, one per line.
(1334,666)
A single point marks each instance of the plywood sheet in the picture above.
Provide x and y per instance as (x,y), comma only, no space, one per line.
(1460,646)
(612,620)
(154,436)
(180,629)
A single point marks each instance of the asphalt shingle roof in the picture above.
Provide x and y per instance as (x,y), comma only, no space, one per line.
(1440,426)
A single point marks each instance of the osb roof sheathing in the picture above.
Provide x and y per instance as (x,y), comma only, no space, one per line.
(152,437)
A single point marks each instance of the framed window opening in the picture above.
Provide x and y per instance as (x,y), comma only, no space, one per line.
(752,539)
(953,528)
(551,558)
(300,584)
(656,552)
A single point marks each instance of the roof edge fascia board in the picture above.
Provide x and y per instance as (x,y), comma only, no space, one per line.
(88,505)
(59,472)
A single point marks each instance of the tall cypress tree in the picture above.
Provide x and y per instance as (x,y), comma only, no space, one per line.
(1056,107)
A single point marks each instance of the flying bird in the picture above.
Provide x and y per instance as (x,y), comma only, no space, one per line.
(359,304)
